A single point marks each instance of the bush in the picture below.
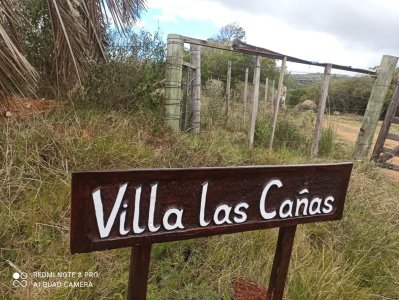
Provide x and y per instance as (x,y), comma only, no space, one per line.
(287,134)
(129,80)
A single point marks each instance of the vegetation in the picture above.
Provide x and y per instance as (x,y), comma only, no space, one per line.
(355,258)
(228,33)
(214,62)
(76,31)
(115,121)
(345,94)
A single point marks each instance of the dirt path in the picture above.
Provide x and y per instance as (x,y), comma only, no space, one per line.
(347,128)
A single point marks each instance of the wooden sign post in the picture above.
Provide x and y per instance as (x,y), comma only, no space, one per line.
(136,208)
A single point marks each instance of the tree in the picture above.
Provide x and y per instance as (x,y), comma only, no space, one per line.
(230,32)
(76,30)
(214,62)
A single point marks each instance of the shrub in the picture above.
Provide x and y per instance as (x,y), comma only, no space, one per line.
(129,80)
(287,134)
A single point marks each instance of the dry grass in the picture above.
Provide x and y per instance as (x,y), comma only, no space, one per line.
(356,258)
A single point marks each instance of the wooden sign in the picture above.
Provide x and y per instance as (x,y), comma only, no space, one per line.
(134,208)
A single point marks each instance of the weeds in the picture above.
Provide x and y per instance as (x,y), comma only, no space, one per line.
(355,258)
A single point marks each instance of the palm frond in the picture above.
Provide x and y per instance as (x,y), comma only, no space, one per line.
(78,35)
(17,75)
(79,29)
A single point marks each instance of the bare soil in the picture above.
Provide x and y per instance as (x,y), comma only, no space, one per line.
(347,129)
(17,107)
(246,290)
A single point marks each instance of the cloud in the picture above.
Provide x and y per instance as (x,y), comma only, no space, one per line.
(368,24)
(349,32)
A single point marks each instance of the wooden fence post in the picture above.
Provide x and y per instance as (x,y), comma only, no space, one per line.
(245,99)
(266,89)
(277,104)
(195,55)
(254,104)
(386,125)
(320,111)
(186,85)
(245,93)
(273,90)
(374,106)
(173,78)
(228,88)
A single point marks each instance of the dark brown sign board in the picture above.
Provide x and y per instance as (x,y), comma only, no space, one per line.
(136,208)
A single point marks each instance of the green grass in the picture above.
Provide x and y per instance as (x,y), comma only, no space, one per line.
(356,258)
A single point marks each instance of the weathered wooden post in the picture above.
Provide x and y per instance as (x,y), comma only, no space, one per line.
(320,111)
(277,104)
(173,76)
(254,111)
(266,88)
(245,96)
(273,90)
(185,99)
(384,131)
(228,89)
(374,106)
(195,54)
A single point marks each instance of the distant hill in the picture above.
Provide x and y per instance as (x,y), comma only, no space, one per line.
(310,78)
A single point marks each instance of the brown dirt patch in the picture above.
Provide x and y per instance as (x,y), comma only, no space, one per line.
(347,129)
(17,107)
(246,290)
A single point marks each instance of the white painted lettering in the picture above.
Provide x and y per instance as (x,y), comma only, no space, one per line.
(312,210)
(203,223)
(226,209)
(305,203)
(122,220)
(136,215)
(241,216)
(178,223)
(99,211)
(286,209)
(262,206)
(153,199)
(328,207)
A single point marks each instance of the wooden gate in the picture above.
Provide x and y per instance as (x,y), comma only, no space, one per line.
(382,154)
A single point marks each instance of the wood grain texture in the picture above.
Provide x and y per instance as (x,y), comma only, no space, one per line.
(320,111)
(138,275)
(281,262)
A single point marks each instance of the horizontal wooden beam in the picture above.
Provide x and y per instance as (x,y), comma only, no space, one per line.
(187,64)
(238,46)
(205,43)
(395,120)
(389,154)
(385,150)
(393,167)
(392,136)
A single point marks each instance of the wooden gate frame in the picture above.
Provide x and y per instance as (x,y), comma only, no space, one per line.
(382,154)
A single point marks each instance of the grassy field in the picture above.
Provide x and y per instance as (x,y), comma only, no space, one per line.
(356,258)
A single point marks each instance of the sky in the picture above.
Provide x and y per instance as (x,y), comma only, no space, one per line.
(348,32)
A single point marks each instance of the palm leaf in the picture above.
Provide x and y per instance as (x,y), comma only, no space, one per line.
(16,74)
(79,37)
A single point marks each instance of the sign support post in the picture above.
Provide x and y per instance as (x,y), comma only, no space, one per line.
(138,274)
(281,262)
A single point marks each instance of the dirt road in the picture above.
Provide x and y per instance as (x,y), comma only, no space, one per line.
(347,128)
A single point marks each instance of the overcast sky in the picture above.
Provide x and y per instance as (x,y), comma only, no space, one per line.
(351,32)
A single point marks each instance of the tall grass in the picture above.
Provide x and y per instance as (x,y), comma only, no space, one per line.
(356,258)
